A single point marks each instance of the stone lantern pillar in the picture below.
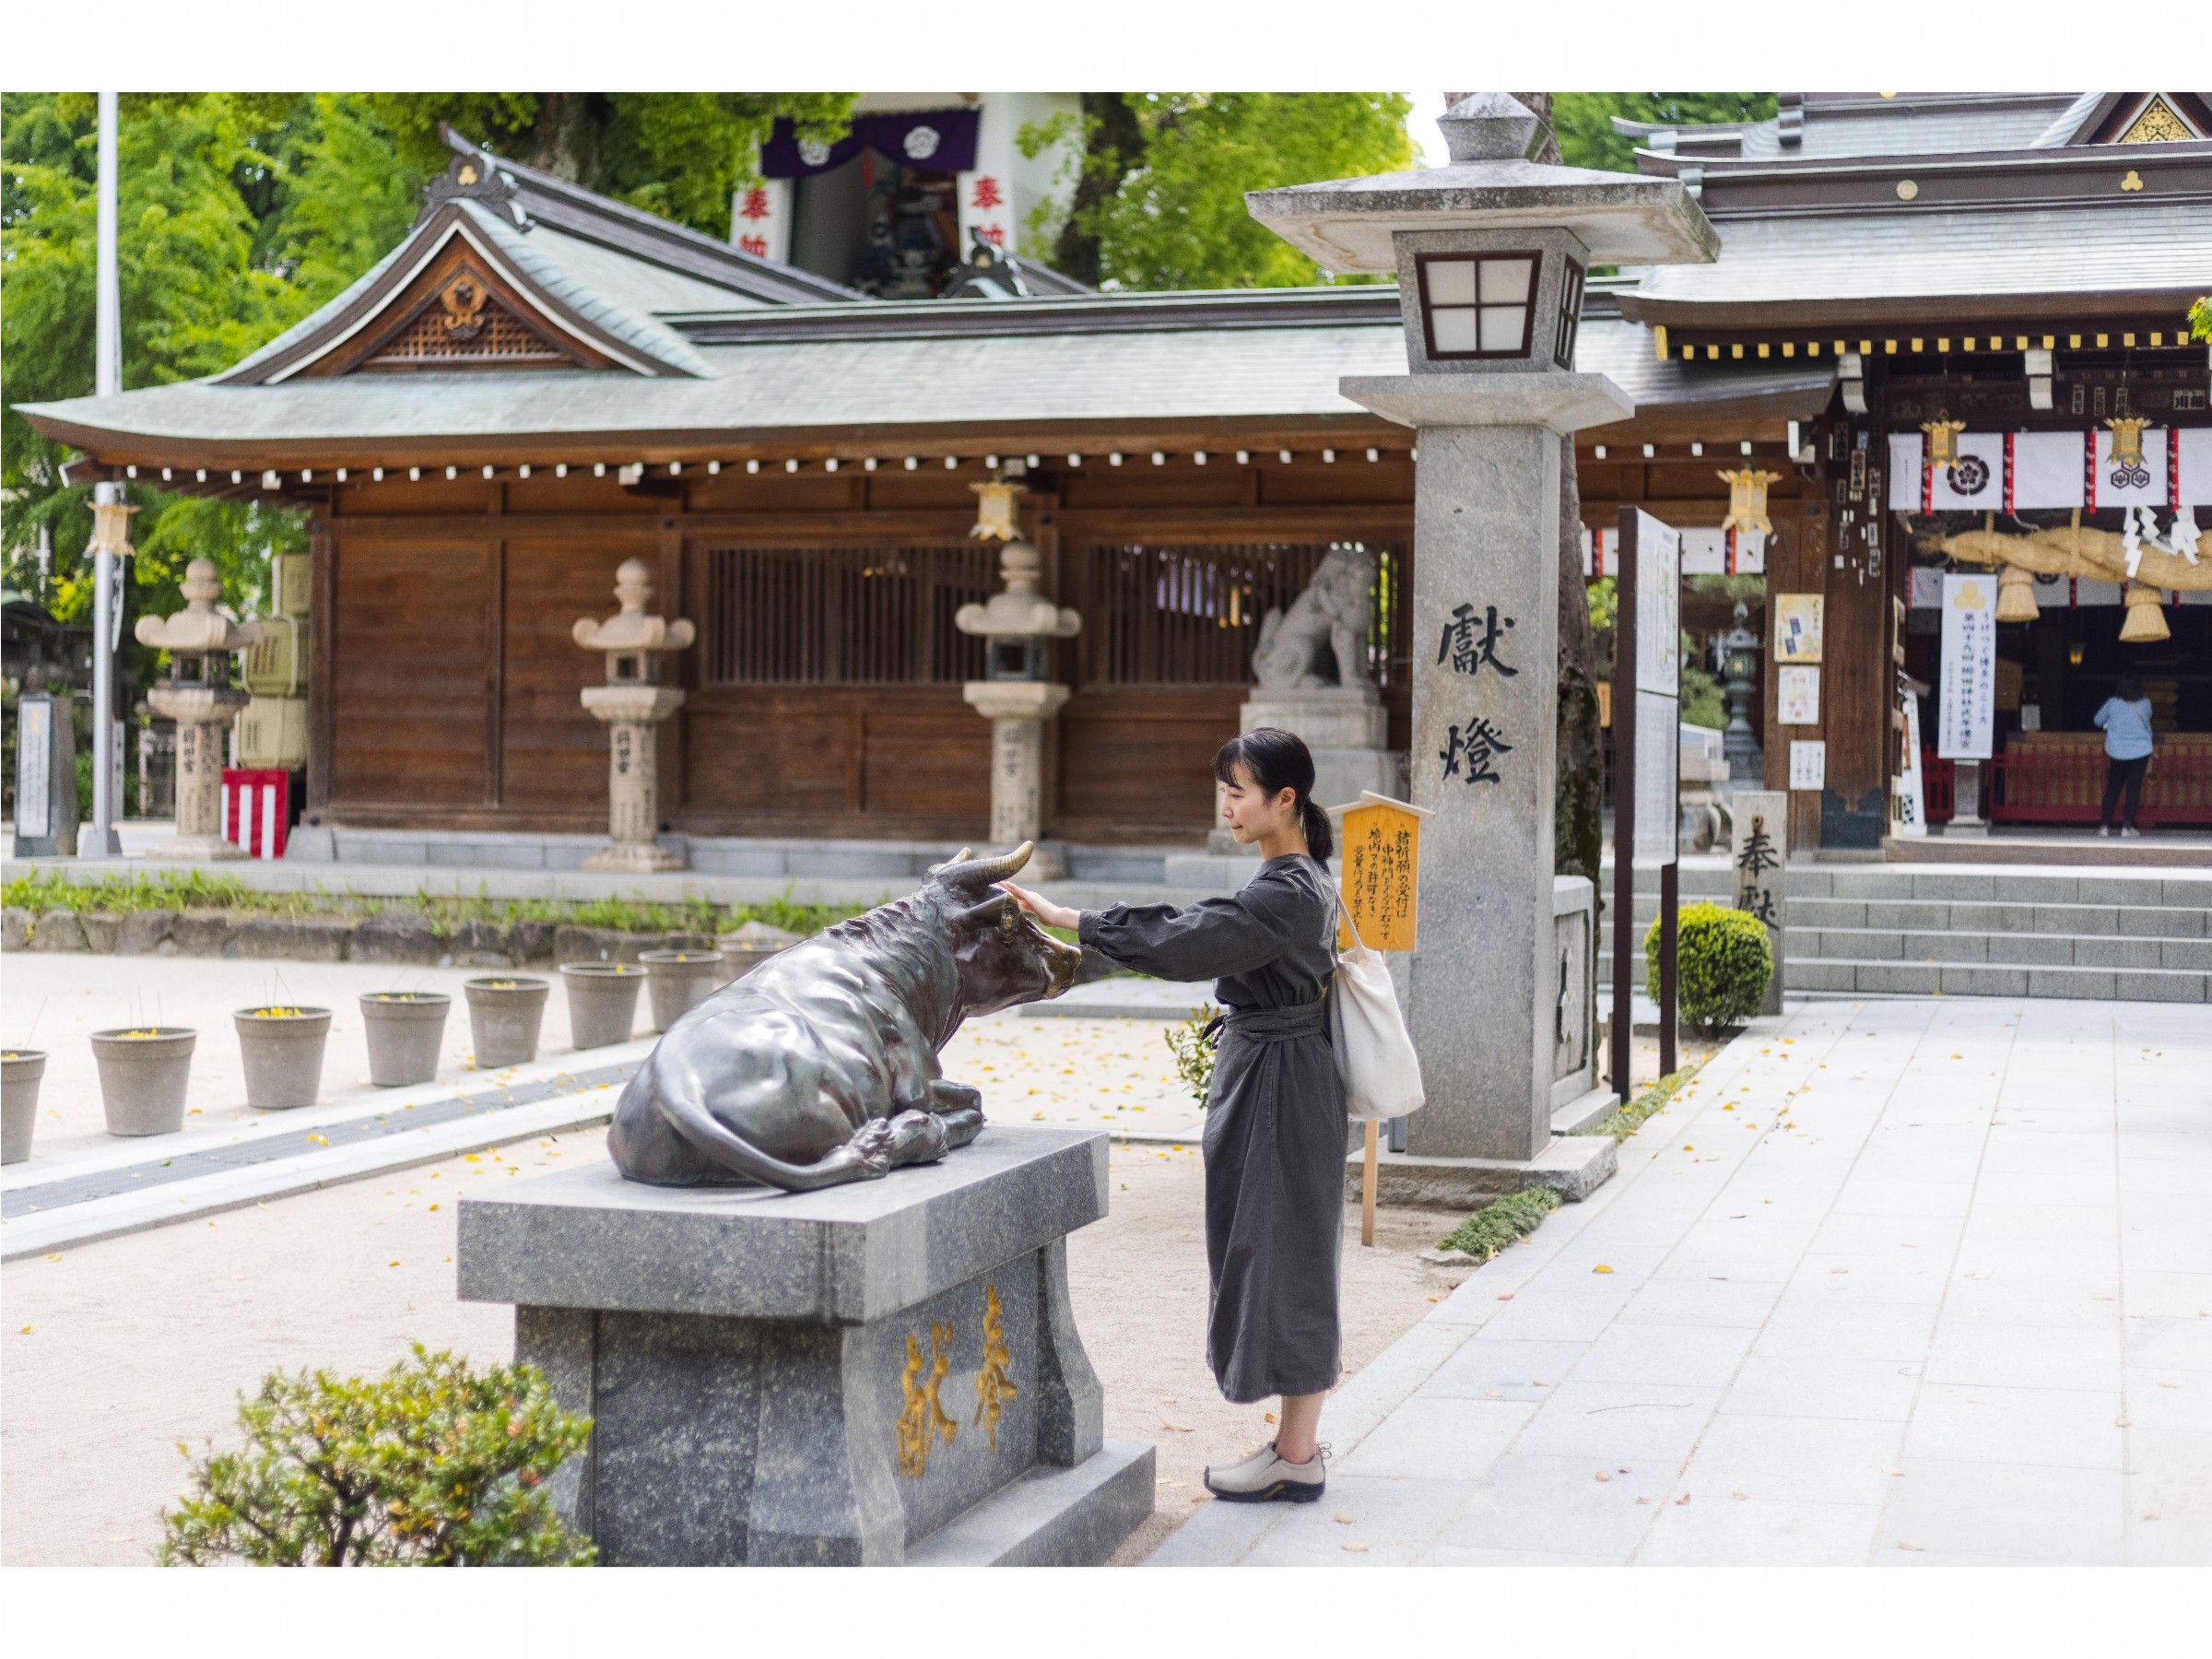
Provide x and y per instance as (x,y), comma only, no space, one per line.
(1490,254)
(201,699)
(633,702)
(1016,696)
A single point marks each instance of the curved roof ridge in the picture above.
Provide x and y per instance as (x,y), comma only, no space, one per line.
(542,265)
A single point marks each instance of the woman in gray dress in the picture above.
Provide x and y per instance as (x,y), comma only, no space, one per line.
(1275,1121)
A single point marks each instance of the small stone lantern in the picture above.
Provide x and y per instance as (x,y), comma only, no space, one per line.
(201,699)
(633,702)
(1015,697)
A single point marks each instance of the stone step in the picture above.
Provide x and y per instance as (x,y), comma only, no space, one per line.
(1833,976)
(1953,885)
(2006,971)
(2040,950)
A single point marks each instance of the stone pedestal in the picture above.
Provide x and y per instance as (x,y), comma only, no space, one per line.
(1483,1004)
(1966,800)
(1017,711)
(1346,729)
(633,817)
(203,714)
(875,1375)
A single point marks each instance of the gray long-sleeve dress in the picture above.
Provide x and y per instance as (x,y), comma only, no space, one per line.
(1275,1121)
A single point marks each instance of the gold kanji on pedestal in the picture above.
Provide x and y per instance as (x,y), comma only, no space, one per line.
(922,1419)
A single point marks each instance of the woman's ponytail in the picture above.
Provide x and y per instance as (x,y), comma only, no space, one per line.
(1277,760)
(1320,835)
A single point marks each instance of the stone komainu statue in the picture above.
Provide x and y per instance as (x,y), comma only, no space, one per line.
(1327,623)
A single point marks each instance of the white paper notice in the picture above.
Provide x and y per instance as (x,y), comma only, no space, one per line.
(1658,788)
(1911,793)
(1808,764)
(1966,718)
(1658,608)
(1796,695)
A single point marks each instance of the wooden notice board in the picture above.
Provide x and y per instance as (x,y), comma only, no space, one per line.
(1380,860)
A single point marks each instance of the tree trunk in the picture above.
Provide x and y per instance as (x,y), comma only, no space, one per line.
(565,139)
(1113,142)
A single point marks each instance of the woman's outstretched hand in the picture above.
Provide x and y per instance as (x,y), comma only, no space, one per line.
(1043,909)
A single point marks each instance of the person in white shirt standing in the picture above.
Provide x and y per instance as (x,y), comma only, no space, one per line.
(2125,720)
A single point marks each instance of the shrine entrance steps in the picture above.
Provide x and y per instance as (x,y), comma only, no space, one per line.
(1906,930)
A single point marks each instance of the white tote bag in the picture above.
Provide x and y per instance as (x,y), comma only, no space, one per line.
(1374,1053)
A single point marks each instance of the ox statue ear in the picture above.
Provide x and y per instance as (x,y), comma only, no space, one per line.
(985,911)
(973,875)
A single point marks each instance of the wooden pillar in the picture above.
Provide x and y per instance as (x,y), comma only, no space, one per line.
(679,666)
(322,634)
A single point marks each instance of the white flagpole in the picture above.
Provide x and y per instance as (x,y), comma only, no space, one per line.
(102,841)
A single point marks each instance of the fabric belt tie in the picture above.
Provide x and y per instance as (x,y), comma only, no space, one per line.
(1277,1025)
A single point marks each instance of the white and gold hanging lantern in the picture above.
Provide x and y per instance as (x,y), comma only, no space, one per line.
(1748,501)
(995,511)
(2127,442)
(2146,623)
(1943,440)
(2015,595)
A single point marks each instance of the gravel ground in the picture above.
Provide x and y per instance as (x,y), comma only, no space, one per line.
(117,1351)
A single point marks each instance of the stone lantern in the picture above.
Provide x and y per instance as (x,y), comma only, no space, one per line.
(633,702)
(1016,696)
(1740,649)
(201,699)
(1491,252)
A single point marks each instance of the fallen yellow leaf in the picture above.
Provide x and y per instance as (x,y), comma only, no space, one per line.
(1357,1549)
(1603,1476)
(1343,1518)
(1600,1268)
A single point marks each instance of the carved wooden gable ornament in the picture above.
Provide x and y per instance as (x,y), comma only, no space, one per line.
(452,299)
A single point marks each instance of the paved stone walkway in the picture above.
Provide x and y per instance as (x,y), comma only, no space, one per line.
(1899,1283)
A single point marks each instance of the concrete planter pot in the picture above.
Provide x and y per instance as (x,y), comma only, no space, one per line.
(19,1101)
(283,1051)
(143,1073)
(406,1031)
(678,981)
(602,1001)
(504,1015)
(745,948)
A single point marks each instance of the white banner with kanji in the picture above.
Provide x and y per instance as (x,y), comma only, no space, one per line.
(1966,717)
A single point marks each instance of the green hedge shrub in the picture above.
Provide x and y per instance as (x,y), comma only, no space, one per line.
(431,1466)
(1722,964)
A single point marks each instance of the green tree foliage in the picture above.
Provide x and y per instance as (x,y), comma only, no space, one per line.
(1158,196)
(1723,962)
(2200,319)
(1583,121)
(431,1466)
(241,213)
(676,154)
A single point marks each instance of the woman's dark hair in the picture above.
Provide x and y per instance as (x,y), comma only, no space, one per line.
(2129,689)
(1276,760)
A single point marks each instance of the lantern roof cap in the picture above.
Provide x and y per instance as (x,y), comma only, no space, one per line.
(1346,224)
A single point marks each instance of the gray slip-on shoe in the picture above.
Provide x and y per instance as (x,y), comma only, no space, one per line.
(1265,1478)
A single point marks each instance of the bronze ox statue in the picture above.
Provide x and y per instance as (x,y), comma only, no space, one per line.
(821,1065)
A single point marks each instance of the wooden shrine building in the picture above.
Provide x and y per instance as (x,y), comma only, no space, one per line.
(539,383)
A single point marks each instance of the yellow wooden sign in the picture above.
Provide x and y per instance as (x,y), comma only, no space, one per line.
(1380,858)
